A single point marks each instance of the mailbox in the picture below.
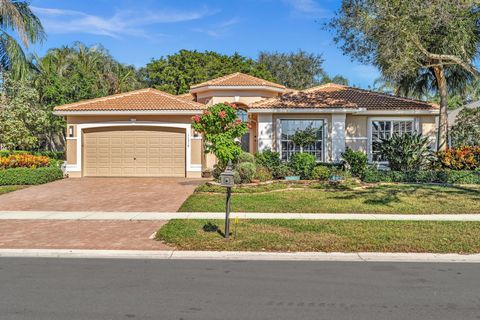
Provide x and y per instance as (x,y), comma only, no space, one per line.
(226,177)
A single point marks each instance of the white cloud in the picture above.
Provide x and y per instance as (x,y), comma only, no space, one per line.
(123,22)
(219,30)
(308,8)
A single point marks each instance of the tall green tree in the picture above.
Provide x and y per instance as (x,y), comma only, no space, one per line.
(298,70)
(406,39)
(17,21)
(73,73)
(176,73)
(22,119)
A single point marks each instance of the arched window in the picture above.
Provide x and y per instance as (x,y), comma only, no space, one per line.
(242,115)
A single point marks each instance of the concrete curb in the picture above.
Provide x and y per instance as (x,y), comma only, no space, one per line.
(243,256)
(139,216)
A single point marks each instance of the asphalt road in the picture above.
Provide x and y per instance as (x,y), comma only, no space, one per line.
(160,289)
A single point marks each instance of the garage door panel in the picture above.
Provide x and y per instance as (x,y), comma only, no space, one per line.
(137,152)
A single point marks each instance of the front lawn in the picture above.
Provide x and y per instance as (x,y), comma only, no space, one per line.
(317,198)
(326,236)
(7,189)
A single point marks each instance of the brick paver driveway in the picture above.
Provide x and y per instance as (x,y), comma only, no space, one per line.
(102,194)
(74,234)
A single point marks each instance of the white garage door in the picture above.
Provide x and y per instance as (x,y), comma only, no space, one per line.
(143,152)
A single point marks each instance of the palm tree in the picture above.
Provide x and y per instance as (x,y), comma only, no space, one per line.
(17,17)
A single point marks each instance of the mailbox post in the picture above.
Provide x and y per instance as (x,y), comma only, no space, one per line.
(226,180)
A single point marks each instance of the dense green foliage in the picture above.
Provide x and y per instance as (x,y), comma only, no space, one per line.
(321,173)
(302,164)
(416,43)
(355,161)
(28,176)
(298,70)
(176,73)
(22,119)
(372,175)
(466,131)
(268,159)
(405,152)
(16,16)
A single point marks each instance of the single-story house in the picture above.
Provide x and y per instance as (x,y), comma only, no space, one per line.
(148,132)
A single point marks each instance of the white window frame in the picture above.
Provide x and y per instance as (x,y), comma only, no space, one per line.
(278,133)
(416,128)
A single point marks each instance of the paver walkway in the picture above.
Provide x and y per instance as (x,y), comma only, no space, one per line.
(141,216)
(68,234)
(103,194)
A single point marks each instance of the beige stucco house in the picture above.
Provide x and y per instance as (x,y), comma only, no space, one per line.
(147,133)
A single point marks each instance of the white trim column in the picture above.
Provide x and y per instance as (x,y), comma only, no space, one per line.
(338,136)
(265,132)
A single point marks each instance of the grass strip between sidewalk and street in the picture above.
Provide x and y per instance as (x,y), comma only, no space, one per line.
(384,198)
(324,236)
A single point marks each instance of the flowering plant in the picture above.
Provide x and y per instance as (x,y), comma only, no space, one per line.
(220,127)
(23,161)
(463,158)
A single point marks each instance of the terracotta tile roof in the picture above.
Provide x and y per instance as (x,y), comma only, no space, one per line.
(143,99)
(238,79)
(186,96)
(340,96)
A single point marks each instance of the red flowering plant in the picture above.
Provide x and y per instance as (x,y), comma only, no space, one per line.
(220,127)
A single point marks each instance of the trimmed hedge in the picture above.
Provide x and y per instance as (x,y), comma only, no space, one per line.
(427,176)
(29,176)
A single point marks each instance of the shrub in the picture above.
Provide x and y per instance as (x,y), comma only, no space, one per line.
(57,155)
(406,152)
(29,176)
(23,161)
(355,161)
(466,130)
(464,158)
(246,171)
(282,171)
(302,164)
(245,157)
(372,175)
(268,159)
(320,173)
(263,174)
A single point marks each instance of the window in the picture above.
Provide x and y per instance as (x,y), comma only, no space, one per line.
(288,128)
(384,129)
(245,140)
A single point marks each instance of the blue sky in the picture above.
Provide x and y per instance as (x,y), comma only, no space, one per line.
(135,31)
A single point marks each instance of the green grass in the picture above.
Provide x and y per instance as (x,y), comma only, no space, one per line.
(327,236)
(386,198)
(7,189)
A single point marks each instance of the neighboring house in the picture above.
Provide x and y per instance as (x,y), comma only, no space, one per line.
(452,115)
(148,132)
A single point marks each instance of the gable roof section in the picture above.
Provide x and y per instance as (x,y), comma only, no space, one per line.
(344,97)
(138,100)
(238,79)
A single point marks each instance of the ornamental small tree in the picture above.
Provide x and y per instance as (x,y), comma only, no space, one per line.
(303,138)
(220,128)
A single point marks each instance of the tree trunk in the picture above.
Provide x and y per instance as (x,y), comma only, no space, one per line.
(442,137)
